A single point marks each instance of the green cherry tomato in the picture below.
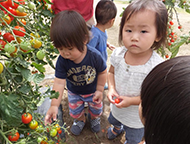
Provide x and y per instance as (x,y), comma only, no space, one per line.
(39,129)
(25,45)
(33,124)
(40,54)
(31,5)
(10,48)
(26,118)
(53,132)
(39,139)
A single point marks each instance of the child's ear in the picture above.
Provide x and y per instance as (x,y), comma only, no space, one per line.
(158,39)
(112,20)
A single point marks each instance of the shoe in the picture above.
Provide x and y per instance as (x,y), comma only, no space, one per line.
(77,127)
(94,123)
(111,135)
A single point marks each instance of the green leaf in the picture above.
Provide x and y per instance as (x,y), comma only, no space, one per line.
(10,111)
(37,78)
(54,94)
(25,88)
(39,67)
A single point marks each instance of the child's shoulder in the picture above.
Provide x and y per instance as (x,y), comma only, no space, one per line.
(92,50)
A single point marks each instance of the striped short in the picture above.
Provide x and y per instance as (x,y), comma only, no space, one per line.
(76,105)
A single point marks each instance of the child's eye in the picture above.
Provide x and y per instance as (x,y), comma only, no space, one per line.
(143,31)
(128,30)
(70,48)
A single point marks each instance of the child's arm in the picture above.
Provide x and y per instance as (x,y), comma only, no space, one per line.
(100,87)
(112,94)
(111,47)
(58,86)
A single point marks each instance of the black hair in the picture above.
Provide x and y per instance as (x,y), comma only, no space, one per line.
(105,11)
(69,29)
(165,102)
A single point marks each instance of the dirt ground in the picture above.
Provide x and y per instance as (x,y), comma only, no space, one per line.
(88,137)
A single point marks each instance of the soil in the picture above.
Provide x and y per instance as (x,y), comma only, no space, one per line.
(87,136)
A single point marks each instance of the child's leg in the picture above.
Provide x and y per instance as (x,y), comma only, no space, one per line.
(117,127)
(133,136)
(76,110)
(95,110)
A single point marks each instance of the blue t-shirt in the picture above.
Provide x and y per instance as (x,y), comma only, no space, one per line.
(99,41)
(81,78)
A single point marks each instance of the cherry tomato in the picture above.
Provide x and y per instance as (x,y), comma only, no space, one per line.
(57,127)
(36,43)
(2,44)
(53,132)
(7,19)
(36,35)
(39,129)
(10,48)
(25,45)
(19,31)
(40,54)
(117,100)
(39,139)
(4,4)
(167,56)
(12,4)
(8,36)
(31,5)
(14,137)
(171,23)
(59,131)
(33,124)
(18,13)
(1,67)
(26,118)
(13,11)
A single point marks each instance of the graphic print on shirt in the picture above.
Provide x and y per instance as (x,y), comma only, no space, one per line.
(82,75)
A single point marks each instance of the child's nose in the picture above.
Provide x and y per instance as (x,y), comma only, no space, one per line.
(135,37)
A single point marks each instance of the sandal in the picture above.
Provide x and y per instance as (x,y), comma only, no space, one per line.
(95,124)
(77,127)
(111,135)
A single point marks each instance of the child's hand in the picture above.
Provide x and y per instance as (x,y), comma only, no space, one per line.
(51,114)
(112,94)
(124,101)
(98,96)
(111,47)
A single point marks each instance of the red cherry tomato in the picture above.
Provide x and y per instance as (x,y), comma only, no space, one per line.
(12,4)
(8,36)
(14,137)
(18,31)
(5,4)
(26,118)
(2,44)
(117,100)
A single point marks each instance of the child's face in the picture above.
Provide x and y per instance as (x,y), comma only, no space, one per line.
(71,53)
(139,32)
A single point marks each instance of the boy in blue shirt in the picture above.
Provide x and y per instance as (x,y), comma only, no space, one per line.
(79,67)
(105,14)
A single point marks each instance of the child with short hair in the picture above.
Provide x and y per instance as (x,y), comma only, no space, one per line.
(165,102)
(80,67)
(142,30)
(105,14)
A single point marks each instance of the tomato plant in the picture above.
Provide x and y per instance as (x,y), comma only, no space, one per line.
(14,137)
(26,118)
